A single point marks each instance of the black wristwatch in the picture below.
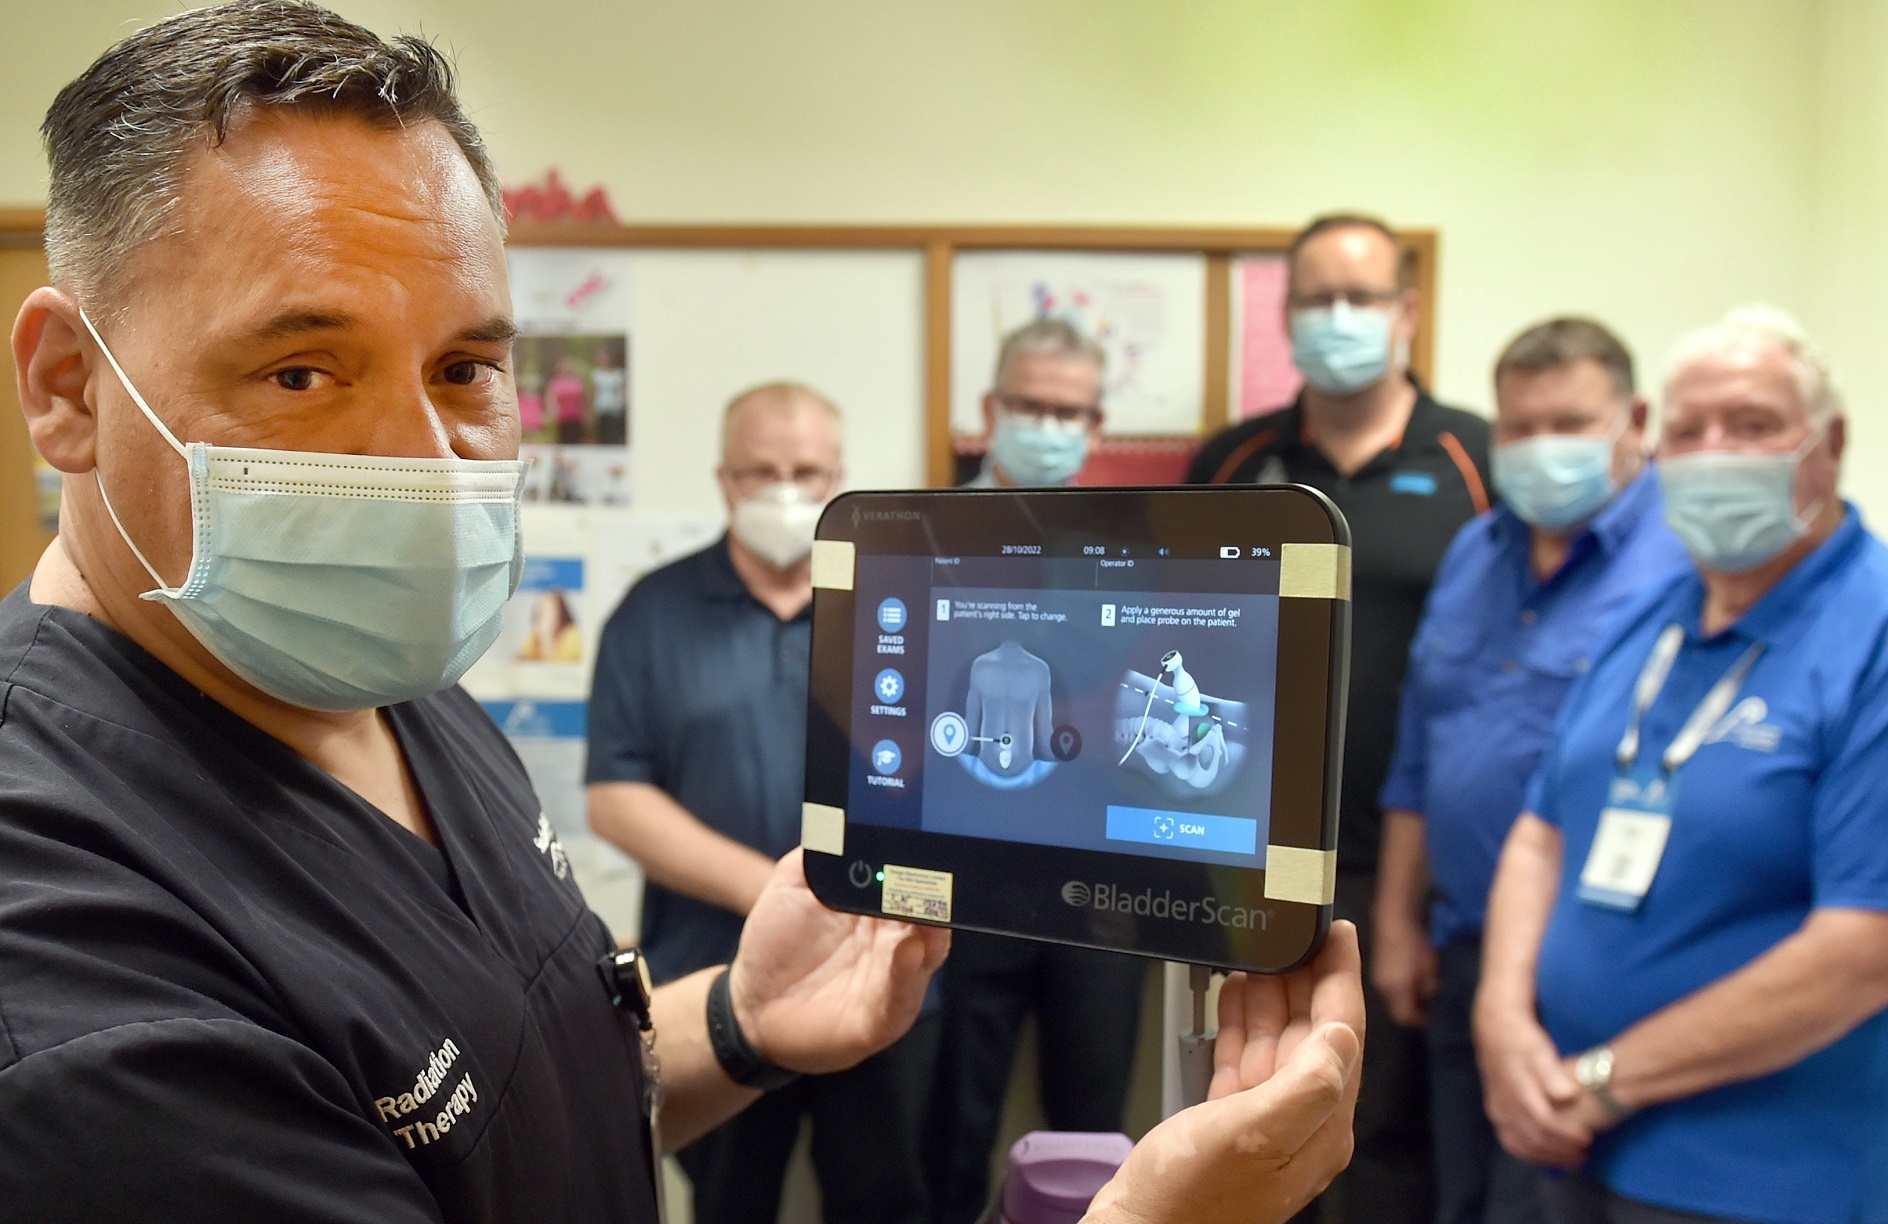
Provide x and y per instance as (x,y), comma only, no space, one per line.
(736,1054)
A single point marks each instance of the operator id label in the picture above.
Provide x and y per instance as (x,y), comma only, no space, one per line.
(912,892)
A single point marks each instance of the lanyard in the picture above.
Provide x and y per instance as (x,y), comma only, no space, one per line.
(1658,669)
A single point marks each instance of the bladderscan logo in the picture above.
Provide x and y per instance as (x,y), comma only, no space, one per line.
(1208,910)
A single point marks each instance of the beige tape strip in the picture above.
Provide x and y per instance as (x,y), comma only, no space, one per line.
(832,564)
(823,828)
(1314,571)
(1293,873)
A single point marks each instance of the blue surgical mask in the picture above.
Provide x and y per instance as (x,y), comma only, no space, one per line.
(1037,453)
(341,582)
(1341,349)
(1733,510)
(1556,481)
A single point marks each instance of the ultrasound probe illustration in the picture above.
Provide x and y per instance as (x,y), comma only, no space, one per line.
(1193,744)
(1008,723)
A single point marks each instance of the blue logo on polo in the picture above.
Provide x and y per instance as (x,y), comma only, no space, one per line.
(1422,484)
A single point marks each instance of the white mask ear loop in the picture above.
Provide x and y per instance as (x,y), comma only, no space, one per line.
(125,381)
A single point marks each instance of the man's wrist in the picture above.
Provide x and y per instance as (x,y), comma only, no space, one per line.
(1593,1069)
(728,1037)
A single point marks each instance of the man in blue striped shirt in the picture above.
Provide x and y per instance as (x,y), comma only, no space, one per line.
(1519,606)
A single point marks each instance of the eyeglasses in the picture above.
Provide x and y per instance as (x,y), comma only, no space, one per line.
(815,482)
(1067,415)
(1356,299)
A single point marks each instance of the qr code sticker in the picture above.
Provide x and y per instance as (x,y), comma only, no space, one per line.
(912,892)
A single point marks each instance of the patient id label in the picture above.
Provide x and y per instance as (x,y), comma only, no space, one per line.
(1624,858)
(912,892)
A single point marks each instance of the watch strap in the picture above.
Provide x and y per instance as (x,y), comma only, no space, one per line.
(738,1058)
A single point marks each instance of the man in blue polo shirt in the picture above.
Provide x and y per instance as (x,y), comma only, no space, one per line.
(1519,605)
(697,746)
(1687,947)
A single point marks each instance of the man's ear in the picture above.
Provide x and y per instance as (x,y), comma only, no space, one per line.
(1411,316)
(1838,437)
(52,361)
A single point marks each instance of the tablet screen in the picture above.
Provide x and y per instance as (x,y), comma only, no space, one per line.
(1101,717)
(1110,699)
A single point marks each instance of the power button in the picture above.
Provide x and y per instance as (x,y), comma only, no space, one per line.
(860,873)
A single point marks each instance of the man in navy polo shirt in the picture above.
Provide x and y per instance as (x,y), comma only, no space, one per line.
(1519,605)
(697,746)
(1687,945)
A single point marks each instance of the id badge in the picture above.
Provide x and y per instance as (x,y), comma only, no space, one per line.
(1629,844)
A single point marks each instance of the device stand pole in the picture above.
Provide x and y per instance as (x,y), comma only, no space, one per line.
(1188,1070)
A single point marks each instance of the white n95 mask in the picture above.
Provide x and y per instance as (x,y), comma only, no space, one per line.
(340,582)
(777,524)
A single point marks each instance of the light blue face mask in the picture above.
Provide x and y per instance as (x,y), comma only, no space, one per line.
(341,582)
(1556,481)
(1341,349)
(1037,454)
(1734,511)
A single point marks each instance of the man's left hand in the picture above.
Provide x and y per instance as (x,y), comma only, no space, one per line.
(818,991)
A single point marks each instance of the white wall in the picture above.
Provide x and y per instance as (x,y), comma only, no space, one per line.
(1649,161)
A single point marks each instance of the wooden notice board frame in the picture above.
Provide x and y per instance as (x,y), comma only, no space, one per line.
(939,245)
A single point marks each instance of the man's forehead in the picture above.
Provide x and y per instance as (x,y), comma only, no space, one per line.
(293,198)
(1748,373)
(1349,250)
(1059,368)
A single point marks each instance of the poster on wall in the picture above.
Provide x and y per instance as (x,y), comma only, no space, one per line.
(1264,378)
(1148,312)
(579,563)
(571,363)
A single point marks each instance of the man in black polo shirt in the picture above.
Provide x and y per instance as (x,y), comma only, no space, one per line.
(1407,472)
(697,736)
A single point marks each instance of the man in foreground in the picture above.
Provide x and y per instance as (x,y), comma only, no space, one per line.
(283,933)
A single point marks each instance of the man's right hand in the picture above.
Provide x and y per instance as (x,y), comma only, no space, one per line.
(1276,1127)
(1526,1089)
(1403,968)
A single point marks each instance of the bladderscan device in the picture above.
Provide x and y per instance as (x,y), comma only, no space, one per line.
(1110,718)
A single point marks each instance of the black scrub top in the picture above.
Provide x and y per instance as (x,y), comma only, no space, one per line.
(1404,507)
(231,989)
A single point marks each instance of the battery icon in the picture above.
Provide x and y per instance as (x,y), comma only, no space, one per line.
(1231,553)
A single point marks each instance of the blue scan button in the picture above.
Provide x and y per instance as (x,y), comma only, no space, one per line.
(1183,830)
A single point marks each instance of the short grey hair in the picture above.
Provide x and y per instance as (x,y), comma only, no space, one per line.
(120,136)
(1053,338)
(1816,383)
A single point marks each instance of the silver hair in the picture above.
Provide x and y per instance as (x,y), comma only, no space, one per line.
(1816,384)
(119,138)
(1049,337)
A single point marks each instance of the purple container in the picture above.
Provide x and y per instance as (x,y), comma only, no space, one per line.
(1054,1175)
